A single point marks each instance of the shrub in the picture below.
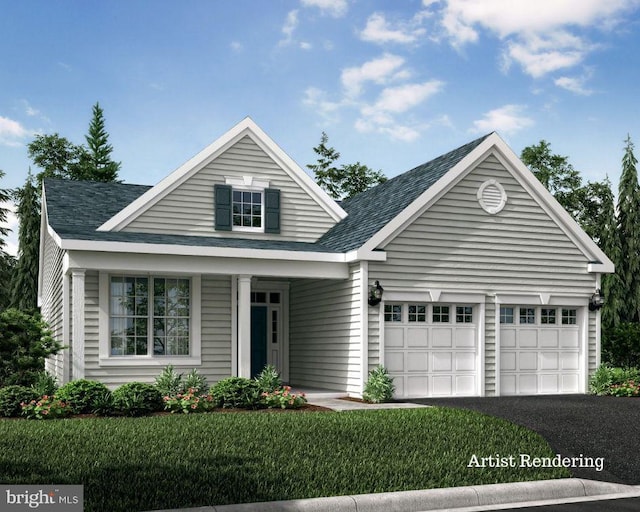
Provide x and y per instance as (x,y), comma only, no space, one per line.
(137,399)
(194,380)
(236,392)
(606,377)
(102,405)
(283,398)
(191,401)
(45,384)
(80,394)
(379,386)
(268,379)
(169,382)
(12,396)
(627,388)
(621,347)
(47,407)
(25,342)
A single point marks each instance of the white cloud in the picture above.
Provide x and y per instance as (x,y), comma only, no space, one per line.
(506,119)
(538,34)
(574,84)
(236,46)
(380,71)
(317,99)
(11,132)
(305,45)
(404,97)
(378,30)
(289,27)
(335,8)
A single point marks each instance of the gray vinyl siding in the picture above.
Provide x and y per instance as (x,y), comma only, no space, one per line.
(592,343)
(455,245)
(215,337)
(489,349)
(324,333)
(374,318)
(52,302)
(189,209)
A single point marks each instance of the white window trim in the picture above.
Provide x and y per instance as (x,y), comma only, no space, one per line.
(195,328)
(247,184)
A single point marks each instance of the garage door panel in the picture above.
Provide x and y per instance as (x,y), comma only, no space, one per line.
(465,385)
(528,338)
(417,361)
(394,361)
(442,337)
(394,337)
(442,385)
(465,337)
(528,361)
(549,338)
(442,361)
(417,385)
(465,361)
(540,358)
(417,337)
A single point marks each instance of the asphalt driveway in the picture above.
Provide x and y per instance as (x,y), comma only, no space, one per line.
(594,426)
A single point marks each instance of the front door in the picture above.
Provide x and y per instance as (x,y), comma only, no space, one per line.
(258,339)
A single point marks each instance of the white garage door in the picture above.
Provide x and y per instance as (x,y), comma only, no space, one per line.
(539,350)
(431,349)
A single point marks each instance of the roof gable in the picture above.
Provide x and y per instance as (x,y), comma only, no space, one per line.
(246,128)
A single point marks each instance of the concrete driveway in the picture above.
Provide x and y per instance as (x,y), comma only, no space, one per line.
(593,426)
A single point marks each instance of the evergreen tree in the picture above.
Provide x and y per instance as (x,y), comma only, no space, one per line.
(56,156)
(628,262)
(6,260)
(95,159)
(24,284)
(345,181)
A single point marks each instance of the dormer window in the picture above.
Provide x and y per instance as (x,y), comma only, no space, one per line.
(246,204)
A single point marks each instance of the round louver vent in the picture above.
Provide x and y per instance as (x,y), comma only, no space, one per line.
(492,197)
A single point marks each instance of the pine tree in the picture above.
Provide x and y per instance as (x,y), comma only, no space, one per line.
(6,260)
(24,284)
(95,161)
(628,263)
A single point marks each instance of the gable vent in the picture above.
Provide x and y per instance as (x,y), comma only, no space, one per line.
(492,197)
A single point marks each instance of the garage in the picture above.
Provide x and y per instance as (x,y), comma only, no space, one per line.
(431,349)
(539,350)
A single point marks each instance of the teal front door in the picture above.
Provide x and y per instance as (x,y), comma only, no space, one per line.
(258,339)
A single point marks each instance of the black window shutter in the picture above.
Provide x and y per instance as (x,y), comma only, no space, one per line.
(271,210)
(222,206)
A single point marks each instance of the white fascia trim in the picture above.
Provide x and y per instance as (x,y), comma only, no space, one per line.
(210,153)
(601,268)
(362,255)
(190,250)
(432,295)
(541,299)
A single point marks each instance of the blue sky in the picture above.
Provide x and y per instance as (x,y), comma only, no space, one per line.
(393,83)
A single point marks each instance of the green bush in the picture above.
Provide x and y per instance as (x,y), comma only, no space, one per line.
(194,380)
(236,392)
(137,399)
(12,396)
(46,408)
(379,386)
(45,384)
(80,394)
(621,347)
(169,382)
(604,379)
(25,342)
(102,405)
(268,379)
(283,398)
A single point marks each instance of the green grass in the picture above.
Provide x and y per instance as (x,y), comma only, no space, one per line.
(135,464)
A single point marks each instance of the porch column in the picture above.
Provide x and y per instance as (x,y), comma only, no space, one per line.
(77,325)
(244,326)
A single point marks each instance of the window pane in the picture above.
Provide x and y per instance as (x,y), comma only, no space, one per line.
(527,315)
(274,298)
(506,315)
(257,198)
(246,209)
(440,314)
(237,220)
(237,196)
(464,314)
(257,222)
(547,316)
(246,197)
(246,220)
(393,313)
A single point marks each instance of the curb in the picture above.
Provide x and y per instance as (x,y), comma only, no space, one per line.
(470,497)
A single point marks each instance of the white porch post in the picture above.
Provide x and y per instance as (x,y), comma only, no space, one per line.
(77,326)
(244,326)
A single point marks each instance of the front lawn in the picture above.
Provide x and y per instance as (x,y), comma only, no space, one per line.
(137,464)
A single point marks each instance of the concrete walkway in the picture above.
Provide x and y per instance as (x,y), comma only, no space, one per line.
(459,499)
(336,401)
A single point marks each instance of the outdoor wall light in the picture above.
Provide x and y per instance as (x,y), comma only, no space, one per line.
(597,300)
(375,294)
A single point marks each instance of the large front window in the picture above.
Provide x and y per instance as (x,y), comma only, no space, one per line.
(149,314)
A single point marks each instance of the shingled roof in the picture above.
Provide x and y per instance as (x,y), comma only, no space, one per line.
(370,211)
(75,209)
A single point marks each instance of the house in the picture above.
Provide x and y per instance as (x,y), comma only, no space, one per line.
(238,259)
